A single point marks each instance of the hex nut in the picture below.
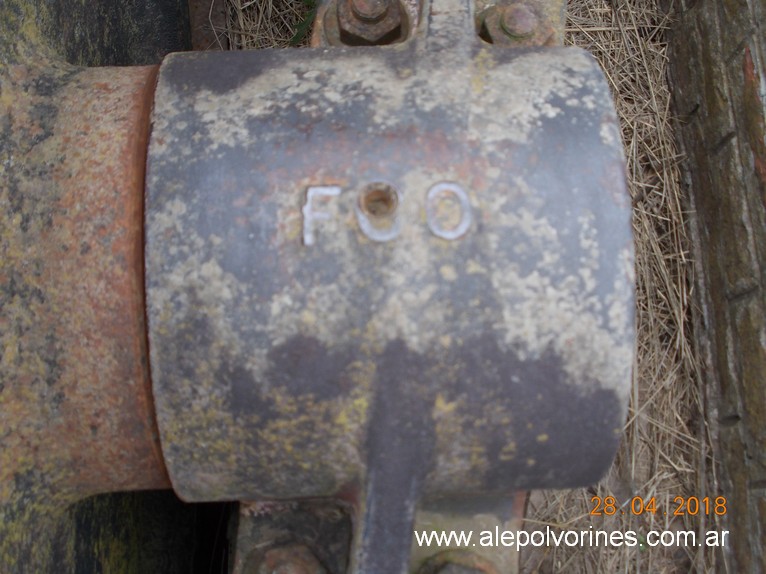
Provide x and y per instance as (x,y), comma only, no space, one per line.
(293,559)
(370,22)
(516,23)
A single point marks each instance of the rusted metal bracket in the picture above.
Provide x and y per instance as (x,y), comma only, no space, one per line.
(389,276)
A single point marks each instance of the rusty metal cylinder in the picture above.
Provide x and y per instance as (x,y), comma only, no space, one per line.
(360,261)
(76,413)
(75,386)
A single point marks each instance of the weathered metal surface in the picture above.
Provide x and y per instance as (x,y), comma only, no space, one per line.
(488,515)
(549,30)
(322,321)
(520,23)
(323,528)
(370,22)
(301,534)
(207,19)
(457,562)
(373,22)
(75,404)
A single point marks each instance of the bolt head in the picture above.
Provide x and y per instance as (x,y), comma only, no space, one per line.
(370,10)
(516,23)
(518,20)
(381,21)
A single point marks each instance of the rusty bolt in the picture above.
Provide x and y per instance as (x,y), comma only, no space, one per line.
(295,559)
(370,10)
(457,562)
(518,23)
(518,20)
(369,22)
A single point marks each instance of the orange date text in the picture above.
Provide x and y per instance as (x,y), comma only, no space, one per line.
(638,505)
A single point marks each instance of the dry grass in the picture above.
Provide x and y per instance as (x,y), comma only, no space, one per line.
(666,448)
(254,24)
